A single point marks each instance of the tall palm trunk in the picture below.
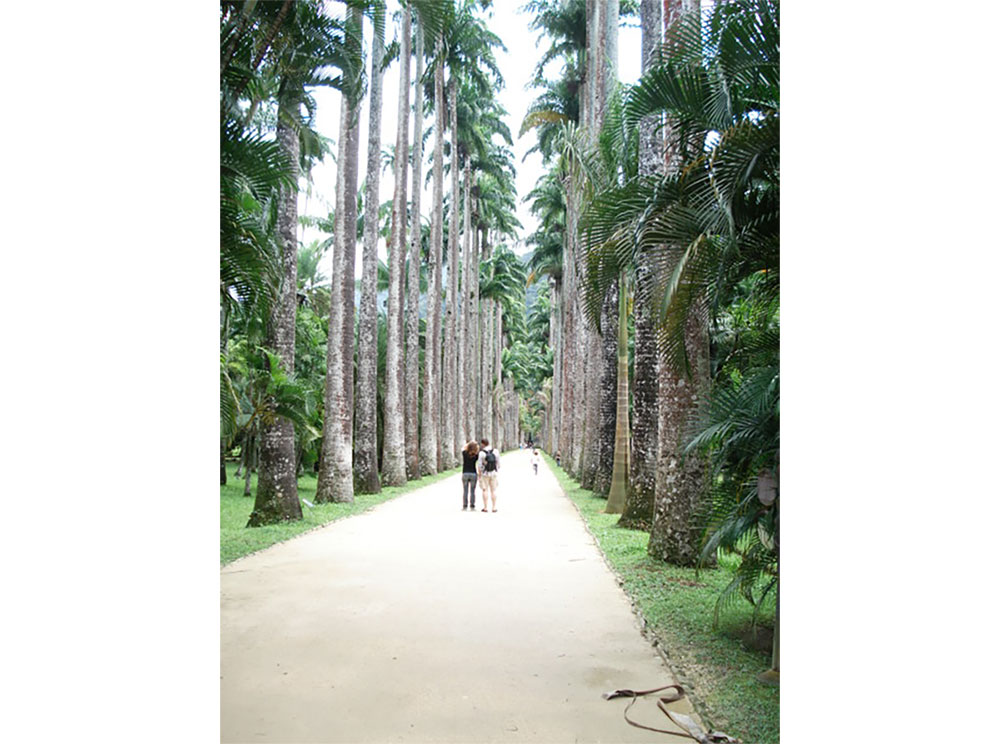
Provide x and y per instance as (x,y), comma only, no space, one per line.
(394,442)
(475,336)
(619,473)
(680,481)
(277,486)
(429,455)
(555,341)
(638,510)
(570,380)
(336,474)
(449,394)
(465,391)
(366,478)
(413,276)
(608,421)
(498,376)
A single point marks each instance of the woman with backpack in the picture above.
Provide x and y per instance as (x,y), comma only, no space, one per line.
(470,458)
(487,466)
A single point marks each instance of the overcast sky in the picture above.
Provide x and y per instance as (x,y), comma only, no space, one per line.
(516,64)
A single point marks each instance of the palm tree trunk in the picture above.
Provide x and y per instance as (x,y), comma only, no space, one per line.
(680,480)
(475,337)
(449,393)
(498,374)
(429,455)
(393,440)
(619,474)
(638,511)
(336,475)
(366,478)
(277,487)
(608,421)
(465,392)
(413,276)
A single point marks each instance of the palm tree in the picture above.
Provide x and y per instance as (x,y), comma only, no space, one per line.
(413,283)
(336,472)
(430,458)
(366,479)
(394,470)
(307,42)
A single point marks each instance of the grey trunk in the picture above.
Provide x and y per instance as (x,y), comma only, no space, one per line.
(336,475)
(638,511)
(277,487)
(413,274)
(429,455)
(450,446)
(366,479)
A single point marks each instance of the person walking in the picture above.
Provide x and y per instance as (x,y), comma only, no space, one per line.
(487,466)
(534,460)
(470,458)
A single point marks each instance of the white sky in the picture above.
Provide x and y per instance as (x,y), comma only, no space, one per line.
(516,64)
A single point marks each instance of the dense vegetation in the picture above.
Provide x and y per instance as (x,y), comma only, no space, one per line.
(638,342)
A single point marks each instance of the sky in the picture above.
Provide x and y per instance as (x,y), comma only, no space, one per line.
(517,64)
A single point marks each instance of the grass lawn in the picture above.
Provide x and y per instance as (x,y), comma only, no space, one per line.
(717,668)
(237,540)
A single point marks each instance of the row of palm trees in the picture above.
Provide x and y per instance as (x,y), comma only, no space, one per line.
(434,365)
(660,209)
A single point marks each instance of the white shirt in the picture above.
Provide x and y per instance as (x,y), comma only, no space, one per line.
(481,461)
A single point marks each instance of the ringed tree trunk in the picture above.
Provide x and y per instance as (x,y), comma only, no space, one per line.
(619,474)
(638,511)
(366,478)
(336,475)
(413,275)
(608,422)
(465,393)
(394,441)
(277,497)
(681,480)
(475,335)
(429,455)
(449,378)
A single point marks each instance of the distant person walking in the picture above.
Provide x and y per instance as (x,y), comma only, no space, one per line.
(487,466)
(534,460)
(470,458)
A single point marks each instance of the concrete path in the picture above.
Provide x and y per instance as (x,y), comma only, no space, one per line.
(420,622)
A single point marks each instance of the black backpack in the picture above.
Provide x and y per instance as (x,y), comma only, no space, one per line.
(490,462)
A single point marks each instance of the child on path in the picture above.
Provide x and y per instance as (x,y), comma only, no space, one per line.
(534,460)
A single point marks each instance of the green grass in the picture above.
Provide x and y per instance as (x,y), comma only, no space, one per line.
(717,667)
(238,540)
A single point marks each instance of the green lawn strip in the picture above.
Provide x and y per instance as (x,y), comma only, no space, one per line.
(717,667)
(238,540)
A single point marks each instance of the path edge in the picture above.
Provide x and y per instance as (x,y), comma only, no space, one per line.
(645,629)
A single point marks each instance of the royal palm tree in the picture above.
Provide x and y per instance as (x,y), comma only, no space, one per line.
(305,45)
(366,476)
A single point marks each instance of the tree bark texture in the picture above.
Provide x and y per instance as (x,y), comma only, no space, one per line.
(394,441)
(619,472)
(277,486)
(609,392)
(413,279)
(429,455)
(467,315)
(336,473)
(449,400)
(366,478)
(680,481)
(638,511)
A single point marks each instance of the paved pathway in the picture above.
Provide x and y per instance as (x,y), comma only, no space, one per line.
(420,622)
